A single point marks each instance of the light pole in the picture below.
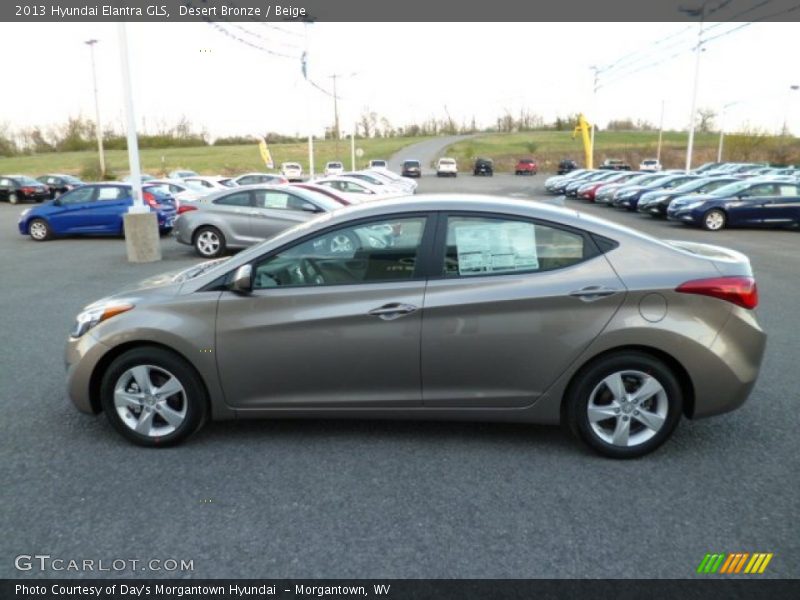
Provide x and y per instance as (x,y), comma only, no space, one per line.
(785,128)
(98,127)
(353,148)
(722,129)
(660,133)
(594,116)
(701,12)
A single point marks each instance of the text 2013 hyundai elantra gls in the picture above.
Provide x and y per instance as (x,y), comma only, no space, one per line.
(436,307)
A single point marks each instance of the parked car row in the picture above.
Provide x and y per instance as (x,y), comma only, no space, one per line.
(713,196)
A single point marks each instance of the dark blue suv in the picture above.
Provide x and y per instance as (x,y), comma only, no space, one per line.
(95,209)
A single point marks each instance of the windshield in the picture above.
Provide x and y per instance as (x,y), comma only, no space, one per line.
(732,188)
(691,186)
(372,180)
(334,165)
(446,161)
(320,199)
(291,166)
(24,180)
(195,185)
(71,179)
(411,163)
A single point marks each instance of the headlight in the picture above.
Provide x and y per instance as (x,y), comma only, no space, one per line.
(692,205)
(24,212)
(94,315)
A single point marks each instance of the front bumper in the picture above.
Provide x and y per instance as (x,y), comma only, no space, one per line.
(81,356)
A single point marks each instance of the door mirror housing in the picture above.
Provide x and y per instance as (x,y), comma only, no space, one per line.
(242,282)
(308,207)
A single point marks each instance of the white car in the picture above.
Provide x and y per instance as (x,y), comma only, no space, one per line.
(181,174)
(446,167)
(259,178)
(212,184)
(379,180)
(378,163)
(292,171)
(357,191)
(181,190)
(650,164)
(404,182)
(334,168)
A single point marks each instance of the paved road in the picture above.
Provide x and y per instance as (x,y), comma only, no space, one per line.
(384,499)
(425,152)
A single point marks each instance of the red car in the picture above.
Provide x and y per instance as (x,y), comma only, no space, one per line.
(525,166)
(589,191)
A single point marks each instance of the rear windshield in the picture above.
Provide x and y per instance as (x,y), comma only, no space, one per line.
(411,163)
(28,181)
(335,165)
(447,161)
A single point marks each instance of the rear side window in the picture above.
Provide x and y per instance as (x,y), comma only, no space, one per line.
(490,246)
(237,199)
(278,200)
(109,192)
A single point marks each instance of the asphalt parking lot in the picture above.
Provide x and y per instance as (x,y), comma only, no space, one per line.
(305,499)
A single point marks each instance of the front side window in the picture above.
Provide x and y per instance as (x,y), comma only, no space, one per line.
(278,200)
(487,246)
(377,251)
(237,199)
(248,180)
(83,194)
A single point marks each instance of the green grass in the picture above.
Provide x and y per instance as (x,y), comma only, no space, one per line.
(549,147)
(207,160)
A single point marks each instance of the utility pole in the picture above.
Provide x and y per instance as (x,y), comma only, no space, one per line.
(660,132)
(335,110)
(594,116)
(701,12)
(304,61)
(722,129)
(353,148)
(98,126)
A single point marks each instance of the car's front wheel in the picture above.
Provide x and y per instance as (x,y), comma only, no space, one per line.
(39,230)
(624,405)
(714,220)
(153,397)
(13,198)
(209,242)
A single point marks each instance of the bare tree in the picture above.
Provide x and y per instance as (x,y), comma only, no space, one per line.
(705,119)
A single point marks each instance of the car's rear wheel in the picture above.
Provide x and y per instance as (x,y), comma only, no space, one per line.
(209,242)
(39,230)
(624,405)
(153,397)
(13,198)
(714,220)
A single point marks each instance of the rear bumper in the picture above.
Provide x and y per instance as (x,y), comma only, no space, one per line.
(725,379)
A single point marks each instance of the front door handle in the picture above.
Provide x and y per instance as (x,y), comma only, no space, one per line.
(593,292)
(394,310)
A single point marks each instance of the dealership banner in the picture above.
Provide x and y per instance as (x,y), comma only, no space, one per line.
(405,11)
(398,589)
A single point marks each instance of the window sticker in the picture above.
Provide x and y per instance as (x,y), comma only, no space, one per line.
(495,247)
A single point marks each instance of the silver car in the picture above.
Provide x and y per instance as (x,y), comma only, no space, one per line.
(441,307)
(242,216)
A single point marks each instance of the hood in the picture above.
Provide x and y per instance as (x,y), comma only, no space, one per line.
(693,198)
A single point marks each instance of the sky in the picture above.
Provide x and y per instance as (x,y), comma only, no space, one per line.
(407,72)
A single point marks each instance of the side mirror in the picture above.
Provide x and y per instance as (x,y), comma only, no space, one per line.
(57,202)
(242,282)
(308,207)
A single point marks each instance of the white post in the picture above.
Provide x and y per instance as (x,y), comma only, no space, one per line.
(698,50)
(133,143)
(660,133)
(98,125)
(353,150)
(721,133)
(140,225)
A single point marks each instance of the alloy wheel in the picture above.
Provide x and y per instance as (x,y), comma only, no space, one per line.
(208,243)
(38,230)
(627,408)
(714,220)
(150,401)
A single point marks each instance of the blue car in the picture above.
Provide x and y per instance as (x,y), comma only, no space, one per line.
(751,203)
(95,209)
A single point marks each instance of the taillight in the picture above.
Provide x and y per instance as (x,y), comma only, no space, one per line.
(742,291)
(186,208)
(27,190)
(150,199)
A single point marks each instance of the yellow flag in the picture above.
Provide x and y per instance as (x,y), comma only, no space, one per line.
(265,155)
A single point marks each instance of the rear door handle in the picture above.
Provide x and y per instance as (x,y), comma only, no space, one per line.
(593,292)
(394,310)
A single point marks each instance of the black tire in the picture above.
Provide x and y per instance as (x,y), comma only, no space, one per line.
(714,220)
(195,398)
(590,379)
(13,198)
(40,230)
(209,233)
(164,232)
